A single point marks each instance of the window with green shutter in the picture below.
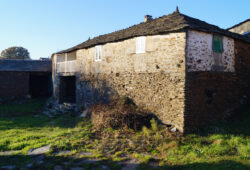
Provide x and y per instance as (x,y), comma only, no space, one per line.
(217,43)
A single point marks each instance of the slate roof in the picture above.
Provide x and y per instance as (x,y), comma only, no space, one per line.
(239,24)
(174,22)
(26,65)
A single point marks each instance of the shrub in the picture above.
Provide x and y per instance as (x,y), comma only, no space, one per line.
(121,113)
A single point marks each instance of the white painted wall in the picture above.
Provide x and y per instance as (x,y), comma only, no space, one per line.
(200,54)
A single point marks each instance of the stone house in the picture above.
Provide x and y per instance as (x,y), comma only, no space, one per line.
(20,78)
(186,71)
(241,28)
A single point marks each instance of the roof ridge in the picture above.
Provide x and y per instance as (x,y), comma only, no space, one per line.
(238,24)
(173,22)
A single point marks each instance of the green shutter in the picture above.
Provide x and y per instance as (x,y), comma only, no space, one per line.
(217,43)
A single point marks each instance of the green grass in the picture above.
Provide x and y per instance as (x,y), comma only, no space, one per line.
(29,107)
(23,127)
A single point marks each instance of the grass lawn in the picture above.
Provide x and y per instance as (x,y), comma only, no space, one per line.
(23,127)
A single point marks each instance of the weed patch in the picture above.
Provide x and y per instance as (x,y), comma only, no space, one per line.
(121,113)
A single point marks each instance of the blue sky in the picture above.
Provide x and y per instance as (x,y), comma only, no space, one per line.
(47,26)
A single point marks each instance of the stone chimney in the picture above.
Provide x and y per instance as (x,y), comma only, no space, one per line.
(148,18)
(177,9)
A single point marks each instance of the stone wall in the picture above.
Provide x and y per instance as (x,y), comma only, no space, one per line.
(153,80)
(18,84)
(200,56)
(211,96)
(14,84)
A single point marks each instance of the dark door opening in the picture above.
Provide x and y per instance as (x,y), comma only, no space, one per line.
(40,85)
(67,89)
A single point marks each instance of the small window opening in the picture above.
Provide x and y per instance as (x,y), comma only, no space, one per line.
(217,43)
(210,93)
(217,53)
(98,53)
(140,44)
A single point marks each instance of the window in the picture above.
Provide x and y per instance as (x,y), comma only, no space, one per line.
(140,44)
(217,53)
(217,43)
(98,53)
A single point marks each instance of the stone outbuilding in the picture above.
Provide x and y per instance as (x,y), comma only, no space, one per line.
(187,72)
(21,78)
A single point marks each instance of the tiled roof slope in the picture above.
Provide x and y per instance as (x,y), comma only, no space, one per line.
(170,23)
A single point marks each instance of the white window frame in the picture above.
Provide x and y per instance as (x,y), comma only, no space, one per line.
(98,53)
(140,45)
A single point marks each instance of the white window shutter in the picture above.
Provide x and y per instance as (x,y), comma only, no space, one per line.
(98,53)
(97,57)
(140,44)
(143,44)
(137,44)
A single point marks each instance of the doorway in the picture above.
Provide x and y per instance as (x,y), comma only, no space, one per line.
(40,85)
(67,89)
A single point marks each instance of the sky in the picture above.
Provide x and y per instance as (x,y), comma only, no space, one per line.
(47,26)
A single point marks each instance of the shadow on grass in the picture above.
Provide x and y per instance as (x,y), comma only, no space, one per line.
(227,164)
(237,124)
(38,121)
(29,115)
(21,108)
(50,162)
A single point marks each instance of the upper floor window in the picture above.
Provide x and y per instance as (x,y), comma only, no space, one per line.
(98,53)
(140,44)
(217,53)
(218,43)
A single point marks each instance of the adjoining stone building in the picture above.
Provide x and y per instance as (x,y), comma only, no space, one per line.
(21,78)
(186,71)
(241,28)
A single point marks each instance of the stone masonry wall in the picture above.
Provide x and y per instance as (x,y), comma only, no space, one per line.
(200,56)
(211,96)
(14,84)
(154,80)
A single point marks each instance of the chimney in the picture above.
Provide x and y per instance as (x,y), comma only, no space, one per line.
(148,18)
(177,9)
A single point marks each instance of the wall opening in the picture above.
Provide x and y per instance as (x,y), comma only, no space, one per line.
(40,85)
(67,89)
